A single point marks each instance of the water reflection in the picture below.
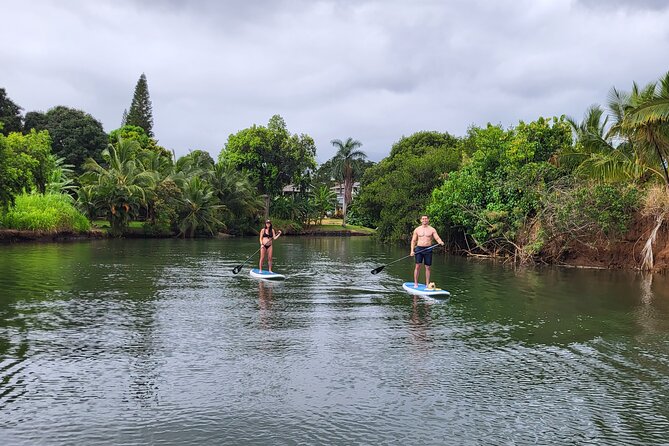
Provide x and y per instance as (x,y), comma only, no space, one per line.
(420,322)
(265,291)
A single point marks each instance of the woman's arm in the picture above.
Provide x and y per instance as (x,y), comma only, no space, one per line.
(276,236)
(260,236)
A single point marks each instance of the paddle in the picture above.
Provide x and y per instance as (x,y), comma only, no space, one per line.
(380,268)
(238,268)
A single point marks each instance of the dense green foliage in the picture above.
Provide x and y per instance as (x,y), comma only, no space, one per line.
(141,110)
(397,190)
(498,190)
(76,135)
(49,212)
(271,156)
(118,187)
(25,163)
(590,211)
(10,115)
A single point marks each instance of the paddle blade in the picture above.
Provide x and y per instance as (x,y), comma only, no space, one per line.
(236,269)
(378,270)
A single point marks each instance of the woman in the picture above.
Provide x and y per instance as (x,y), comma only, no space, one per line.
(267,235)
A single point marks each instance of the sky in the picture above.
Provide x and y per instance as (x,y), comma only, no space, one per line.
(371,70)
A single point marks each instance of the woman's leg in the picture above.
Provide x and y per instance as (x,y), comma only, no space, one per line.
(262,258)
(269,258)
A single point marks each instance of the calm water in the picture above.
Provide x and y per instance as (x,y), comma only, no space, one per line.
(157,342)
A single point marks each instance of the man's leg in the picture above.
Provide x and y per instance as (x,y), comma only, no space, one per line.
(427,275)
(416,271)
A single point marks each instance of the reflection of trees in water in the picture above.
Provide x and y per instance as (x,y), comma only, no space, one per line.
(104,289)
(652,311)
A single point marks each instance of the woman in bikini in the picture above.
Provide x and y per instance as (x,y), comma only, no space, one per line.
(267,235)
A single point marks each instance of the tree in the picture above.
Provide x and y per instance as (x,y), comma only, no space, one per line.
(10,114)
(32,157)
(396,191)
(199,209)
(238,196)
(646,121)
(140,113)
(270,156)
(631,143)
(34,120)
(12,180)
(323,200)
(120,188)
(594,155)
(147,145)
(494,199)
(346,166)
(76,135)
(197,162)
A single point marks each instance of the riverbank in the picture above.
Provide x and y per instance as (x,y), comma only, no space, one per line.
(17,236)
(327,229)
(623,253)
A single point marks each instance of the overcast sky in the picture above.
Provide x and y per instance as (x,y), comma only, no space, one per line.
(371,70)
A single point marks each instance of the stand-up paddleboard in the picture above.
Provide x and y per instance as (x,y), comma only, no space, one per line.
(264,274)
(423,290)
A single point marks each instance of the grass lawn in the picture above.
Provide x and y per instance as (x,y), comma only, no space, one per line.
(102,224)
(335,224)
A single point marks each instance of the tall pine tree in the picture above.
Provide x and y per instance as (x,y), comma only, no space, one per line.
(140,113)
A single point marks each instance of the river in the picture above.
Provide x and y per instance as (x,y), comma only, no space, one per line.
(131,342)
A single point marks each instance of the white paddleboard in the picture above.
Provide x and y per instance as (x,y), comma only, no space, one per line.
(264,274)
(422,290)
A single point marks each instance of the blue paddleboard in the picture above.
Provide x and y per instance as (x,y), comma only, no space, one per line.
(422,290)
(264,274)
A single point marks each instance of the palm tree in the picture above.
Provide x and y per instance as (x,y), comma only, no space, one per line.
(200,208)
(635,146)
(594,154)
(236,193)
(646,121)
(120,189)
(323,200)
(346,166)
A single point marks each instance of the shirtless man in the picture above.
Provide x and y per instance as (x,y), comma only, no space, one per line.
(422,239)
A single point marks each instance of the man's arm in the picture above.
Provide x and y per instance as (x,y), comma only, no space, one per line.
(413,241)
(437,238)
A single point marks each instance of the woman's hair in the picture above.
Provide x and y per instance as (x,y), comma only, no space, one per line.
(271,228)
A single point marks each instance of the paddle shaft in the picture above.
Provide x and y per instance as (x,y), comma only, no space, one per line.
(380,268)
(238,268)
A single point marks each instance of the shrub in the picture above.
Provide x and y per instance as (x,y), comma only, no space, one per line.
(587,211)
(49,212)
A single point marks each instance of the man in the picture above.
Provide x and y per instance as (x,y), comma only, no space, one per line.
(421,240)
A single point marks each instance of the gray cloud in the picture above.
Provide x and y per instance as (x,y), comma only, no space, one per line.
(372,70)
(632,5)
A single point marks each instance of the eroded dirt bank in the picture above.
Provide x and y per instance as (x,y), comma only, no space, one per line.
(626,252)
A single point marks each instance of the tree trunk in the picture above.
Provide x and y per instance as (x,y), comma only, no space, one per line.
(348,186)
(663,162)
(266,206)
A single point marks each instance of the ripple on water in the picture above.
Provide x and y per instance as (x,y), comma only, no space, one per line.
(175,349)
